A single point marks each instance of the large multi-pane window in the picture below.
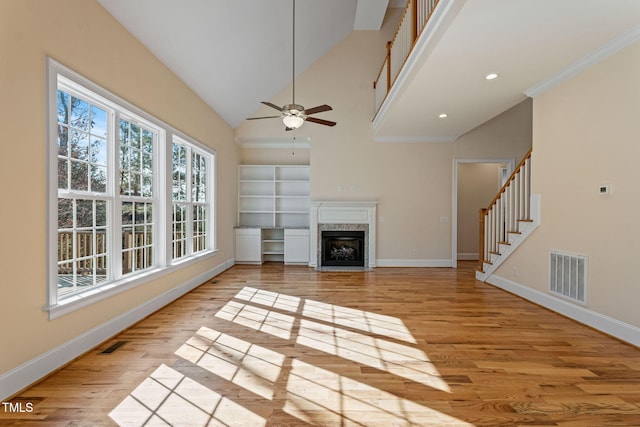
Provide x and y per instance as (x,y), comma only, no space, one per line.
(136,192)
(109,191)
(83,198)
(191,194)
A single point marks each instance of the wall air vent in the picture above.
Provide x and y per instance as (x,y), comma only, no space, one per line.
(568,276)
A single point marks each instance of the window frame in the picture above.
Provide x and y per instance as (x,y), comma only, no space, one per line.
(189,203)
(59,76)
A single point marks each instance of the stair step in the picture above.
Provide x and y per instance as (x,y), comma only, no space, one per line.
(504,243)
(514,232)
(524,220)
(495,253)
(486,261)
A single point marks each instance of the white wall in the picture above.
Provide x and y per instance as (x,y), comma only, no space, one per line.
(586,133)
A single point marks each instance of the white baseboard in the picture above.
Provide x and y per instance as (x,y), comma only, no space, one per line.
(468,256)
(23,376)
(413,263)
(621,330)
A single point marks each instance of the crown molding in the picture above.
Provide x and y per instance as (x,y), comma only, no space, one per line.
(612,47)
(273,142)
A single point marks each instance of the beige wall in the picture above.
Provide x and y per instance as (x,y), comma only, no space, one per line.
(586,134)
(478,184)
(411,181)
(275,156)
(83,36)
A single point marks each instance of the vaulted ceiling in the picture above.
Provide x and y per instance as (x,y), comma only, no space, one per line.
(236,53)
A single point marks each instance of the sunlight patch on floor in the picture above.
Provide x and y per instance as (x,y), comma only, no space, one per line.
(248,365)
(268,321)
(310,393)
(168,398)
(321,397)
(388,326)
(368,349)
(270,299)
(397,359)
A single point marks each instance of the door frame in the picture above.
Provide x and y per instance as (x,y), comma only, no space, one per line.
(510,162)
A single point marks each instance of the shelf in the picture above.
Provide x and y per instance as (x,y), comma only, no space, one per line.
(257,173)
(292,173)
(273,196)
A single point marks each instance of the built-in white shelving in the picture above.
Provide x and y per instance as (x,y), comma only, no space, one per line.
(273,196)
(273,199)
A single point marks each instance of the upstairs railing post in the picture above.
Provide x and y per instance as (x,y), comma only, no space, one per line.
(389,45)
(481,243)
(414,24)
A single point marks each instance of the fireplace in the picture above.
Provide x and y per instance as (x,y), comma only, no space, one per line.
(354,223)
(342,248)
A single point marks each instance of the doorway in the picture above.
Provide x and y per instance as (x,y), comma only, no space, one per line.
(475,183)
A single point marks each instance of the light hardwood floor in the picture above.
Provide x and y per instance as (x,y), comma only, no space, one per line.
(288,346)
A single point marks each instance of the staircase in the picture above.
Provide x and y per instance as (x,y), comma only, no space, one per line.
(510,218)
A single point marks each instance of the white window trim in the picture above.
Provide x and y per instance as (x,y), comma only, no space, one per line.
(162,195)
(210,202)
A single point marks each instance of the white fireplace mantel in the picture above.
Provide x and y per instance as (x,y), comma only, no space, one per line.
(343,212)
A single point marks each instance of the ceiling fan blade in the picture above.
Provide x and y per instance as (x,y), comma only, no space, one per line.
(320,121)
(272,105)
(318,109)
(266,117)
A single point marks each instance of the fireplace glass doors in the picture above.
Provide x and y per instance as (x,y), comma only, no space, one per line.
(342,248)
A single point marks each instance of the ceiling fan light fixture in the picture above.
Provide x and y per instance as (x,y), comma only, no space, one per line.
(294,115)
(292,122)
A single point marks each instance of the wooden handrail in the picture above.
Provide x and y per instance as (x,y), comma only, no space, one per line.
(385,62)
(417,7)
(515,172)
(404,15)
(508,209)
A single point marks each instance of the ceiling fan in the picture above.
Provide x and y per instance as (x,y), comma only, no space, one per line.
(294,115)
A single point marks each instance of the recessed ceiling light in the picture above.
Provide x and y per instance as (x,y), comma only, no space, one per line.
(443,115)
(491,76)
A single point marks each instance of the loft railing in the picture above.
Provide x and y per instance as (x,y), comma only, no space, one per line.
(507,210)
(414,18)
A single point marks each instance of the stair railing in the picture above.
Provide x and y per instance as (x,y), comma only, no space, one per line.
(414,18)
(507,210)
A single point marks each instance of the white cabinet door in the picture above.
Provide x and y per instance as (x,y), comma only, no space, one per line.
(296,246)
(248,245)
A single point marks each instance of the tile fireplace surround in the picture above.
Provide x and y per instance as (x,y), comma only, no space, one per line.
(343,216)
